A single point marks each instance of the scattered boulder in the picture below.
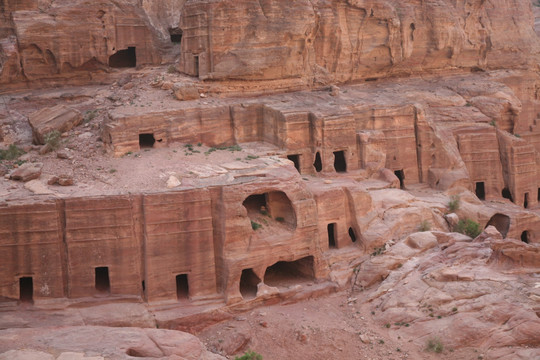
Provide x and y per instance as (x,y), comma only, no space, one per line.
(27,172)
(173,182)
(60,118)
(64,154)
(38,188)
(62,180)
(184,91)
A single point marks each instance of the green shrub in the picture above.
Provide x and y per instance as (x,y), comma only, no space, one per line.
(12,153)
(255,225)
(171,69)
(89,115)
(53,139)
(435,345)
(468,227)
(280,219)
(425,225)
(250,355)
(453,204)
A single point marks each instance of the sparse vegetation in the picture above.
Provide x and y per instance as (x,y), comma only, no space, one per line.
(493,123)
(249,355)
(425,225)
(378,251)
(171,69)
(12,152)
(89,115)
(435,345)
(255,225)
(280,219)
(453,204)
(517,135)
(468,227)
(53,139)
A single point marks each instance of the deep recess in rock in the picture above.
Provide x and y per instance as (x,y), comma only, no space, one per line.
(287,273)
(123,58)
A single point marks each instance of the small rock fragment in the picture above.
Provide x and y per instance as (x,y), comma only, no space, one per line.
(173,182)
(27,172)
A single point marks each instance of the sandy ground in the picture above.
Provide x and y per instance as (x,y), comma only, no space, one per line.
(337,326)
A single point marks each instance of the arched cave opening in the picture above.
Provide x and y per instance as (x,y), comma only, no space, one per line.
(525,236)
(146,140)
(296,160)
(248,284)
(340,164)
(287,273)
(401,176)
(332,229)
(123,58)
(176,35)
(270,207)
(501,223)
(352,234)
(526,200)
(102,281)
(480,190)
(318,162)
(182,287)
(26,289)
(507,194)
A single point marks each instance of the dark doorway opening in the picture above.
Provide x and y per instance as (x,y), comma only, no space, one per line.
(176,35)
(196,64)
(287,273)
(146,140)
(318,162)
(26,289)
(182,287)
(526,201)
(102,282)
(331,235)
(296,160)
(401,176)
(123,58)
(255,204)
(352,235)
(507,194)
(340,164)
(501,223)
(248,284)
(480,190)
(538,195)
(525,237)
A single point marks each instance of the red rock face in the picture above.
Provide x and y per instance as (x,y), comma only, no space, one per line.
(337,41)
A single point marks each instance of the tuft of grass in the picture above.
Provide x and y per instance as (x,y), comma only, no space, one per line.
(468,227)
(255,225)
(378,251)
(53,139)
(12,152)
(89,115)
(280,219)
(454,203)
(425,225)
(435,345)
(249,355)
(171,69)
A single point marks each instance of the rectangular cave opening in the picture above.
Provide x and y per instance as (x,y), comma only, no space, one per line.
(146,141)
(331,228)
(526,200)
(318,162)
(340,164)
(124,58)
(196,64)
(400,174)
(182,287)
(26,289)
(538,195)
(102,281)
(289,273)
(352,234)
(507,194)
(480,190)
(176,35)
(296,160)
(248,284)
